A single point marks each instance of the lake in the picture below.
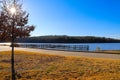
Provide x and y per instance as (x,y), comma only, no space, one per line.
(92,46)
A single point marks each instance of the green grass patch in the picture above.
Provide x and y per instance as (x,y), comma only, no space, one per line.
(38,66)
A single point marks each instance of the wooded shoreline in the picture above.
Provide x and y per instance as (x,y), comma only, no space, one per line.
(67,39)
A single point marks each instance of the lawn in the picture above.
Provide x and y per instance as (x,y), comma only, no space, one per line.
(38,66)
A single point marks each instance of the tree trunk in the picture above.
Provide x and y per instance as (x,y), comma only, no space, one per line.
(12,55)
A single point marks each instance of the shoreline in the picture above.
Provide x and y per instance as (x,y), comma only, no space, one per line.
(64,53)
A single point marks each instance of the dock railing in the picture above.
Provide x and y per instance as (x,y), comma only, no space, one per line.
(57,47)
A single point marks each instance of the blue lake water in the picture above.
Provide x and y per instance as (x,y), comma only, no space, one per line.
(92,46)
(103,46)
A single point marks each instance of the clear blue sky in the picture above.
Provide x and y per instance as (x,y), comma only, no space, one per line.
(74,17)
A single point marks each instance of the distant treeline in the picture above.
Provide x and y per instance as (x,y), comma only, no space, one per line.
(67,39)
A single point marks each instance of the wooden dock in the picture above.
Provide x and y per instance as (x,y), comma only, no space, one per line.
(57,47)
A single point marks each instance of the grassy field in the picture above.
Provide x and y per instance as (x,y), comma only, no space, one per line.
(34,66)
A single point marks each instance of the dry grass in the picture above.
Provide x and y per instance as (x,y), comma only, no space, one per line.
(34,66)
(112,51)
(107,51)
